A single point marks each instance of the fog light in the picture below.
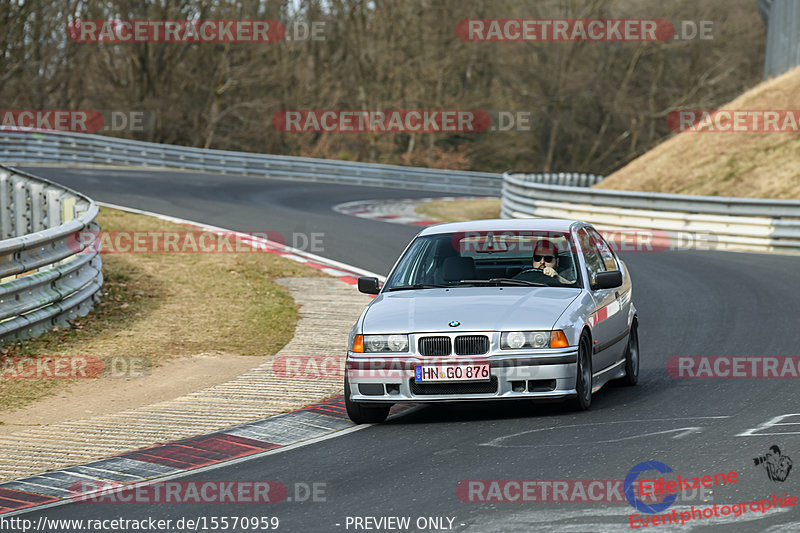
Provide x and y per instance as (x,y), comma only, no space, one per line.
(541,385)
(371,389)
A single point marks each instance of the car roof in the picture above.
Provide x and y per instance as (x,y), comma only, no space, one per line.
(503,224)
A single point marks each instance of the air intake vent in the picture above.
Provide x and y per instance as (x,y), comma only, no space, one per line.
(469,387)
(437,346)
(472,345)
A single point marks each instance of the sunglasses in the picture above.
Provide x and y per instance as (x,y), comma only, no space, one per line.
(547,258)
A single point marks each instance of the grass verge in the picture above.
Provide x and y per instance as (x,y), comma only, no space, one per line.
(162,305)
(460,210)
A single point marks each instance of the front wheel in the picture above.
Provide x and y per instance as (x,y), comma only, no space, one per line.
(364,414)
(632,356)
(584,378)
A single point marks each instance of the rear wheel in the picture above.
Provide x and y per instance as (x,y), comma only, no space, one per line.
(364,414)
(632,356)
(584,376)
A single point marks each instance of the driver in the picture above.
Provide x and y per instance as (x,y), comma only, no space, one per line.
(545,258)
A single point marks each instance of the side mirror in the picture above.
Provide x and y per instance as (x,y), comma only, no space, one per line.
(370,285)
(607,280)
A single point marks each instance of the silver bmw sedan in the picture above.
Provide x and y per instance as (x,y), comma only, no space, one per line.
(494,310)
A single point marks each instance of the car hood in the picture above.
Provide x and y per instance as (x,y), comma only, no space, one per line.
(476,308)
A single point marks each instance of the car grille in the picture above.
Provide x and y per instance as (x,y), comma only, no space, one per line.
(438,346)
(472,344)
(470,387)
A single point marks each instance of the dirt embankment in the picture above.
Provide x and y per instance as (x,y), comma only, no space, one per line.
(704,162)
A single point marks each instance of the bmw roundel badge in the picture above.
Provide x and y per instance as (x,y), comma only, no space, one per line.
(454,324)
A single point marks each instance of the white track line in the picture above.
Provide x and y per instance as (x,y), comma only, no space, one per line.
(281,247)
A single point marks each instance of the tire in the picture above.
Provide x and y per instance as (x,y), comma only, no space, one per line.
(632,357)
(364,414)
(583,379)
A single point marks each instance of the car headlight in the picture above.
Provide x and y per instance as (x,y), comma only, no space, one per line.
(514,340)
(385,343)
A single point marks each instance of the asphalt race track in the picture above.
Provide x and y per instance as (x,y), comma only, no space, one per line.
(696,303)
(253,204)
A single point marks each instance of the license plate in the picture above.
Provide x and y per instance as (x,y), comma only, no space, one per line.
(474,372)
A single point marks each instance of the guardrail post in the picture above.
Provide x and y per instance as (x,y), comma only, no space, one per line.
(53,197)
(20,207)
(37,206)
(6,195)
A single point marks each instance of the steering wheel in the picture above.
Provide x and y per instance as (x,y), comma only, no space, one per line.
(536,275)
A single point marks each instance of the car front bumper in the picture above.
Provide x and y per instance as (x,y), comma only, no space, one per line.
(518,376)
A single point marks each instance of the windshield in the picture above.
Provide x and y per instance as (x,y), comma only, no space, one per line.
(480,258)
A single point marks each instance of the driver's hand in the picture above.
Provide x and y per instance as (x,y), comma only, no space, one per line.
(549,271)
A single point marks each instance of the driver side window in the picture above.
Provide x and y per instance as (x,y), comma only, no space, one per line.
(594,263)
(605,251)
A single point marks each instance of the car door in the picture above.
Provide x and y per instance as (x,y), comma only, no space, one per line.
(603,325)
(617,313)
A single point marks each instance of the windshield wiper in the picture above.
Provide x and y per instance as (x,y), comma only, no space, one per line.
(511,281)
(503,281)
(415,286)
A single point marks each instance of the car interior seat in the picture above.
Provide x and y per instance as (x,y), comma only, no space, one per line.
(566,266)
(513,271)
(458,268)
(444,250)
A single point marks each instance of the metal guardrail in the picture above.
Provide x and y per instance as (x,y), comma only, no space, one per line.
(565,179)
(47,275)
(723,222)
(81,148)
